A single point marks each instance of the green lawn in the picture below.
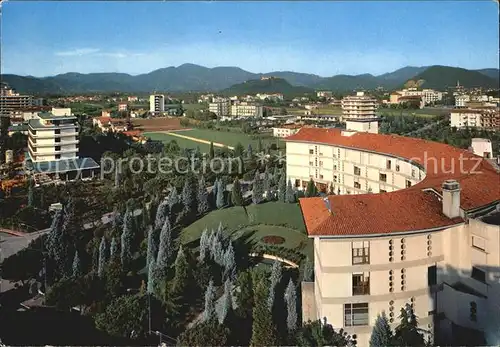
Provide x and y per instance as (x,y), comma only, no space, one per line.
(194,107)
(272,218)
(225,137)
(424,113)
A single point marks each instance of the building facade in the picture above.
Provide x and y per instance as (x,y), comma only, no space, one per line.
(157,103)
(429,238)
(53,136)
(286,130)
(246,110)
(220,107)
(358,112)
(485,118)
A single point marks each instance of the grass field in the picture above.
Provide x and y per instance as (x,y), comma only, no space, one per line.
(424,113)
(223,137)
(272,218)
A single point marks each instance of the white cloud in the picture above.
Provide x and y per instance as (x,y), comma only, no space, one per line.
(77,52)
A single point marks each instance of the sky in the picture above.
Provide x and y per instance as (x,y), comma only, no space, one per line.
(325,38)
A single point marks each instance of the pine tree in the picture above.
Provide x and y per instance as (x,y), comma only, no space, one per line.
(229,262)
(162,213)
(257,189)
(266,184)
(216,248)
(102,257)
(220,203)
(264,332)
(127,238)
(236,196)
(381,333)
(55,229)
(77,266)
(407,332)
(282,188)
(275,279)
(202,197)
(209,312)
(214,191)
(58,245)
(291,304)
(290,194)
(113,251)
(308,271)
(227,302)
(238,150)
(211,151)
(311,189)
(204,245)
(249,152)
(165,249)
(117,177)
(259,146)
(152,246)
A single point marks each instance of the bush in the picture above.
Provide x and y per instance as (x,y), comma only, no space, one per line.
(274,240)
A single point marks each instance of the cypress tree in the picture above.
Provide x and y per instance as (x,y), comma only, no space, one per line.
(77,266)
(181,277)
(162,213)
(113,252)
(257,189)
(236,196)
(127,238)
(259,146)
(282,188)
(209,312)
(204,245)
(407,332)
(31,197)
(152,246)
(264,332)
(220,203)
(165,249)
(275,279)
(202,197)
(151,277)
(189,195)
(266,184)
(291,305)
(102,257)
(173,198)
(229,262)
(311,189)
(211,151)
(238,150)
(249,152)
(227,302)
(308,270)
(381,333)
(290,194)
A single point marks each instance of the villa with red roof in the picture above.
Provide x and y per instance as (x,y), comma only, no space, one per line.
(401,221)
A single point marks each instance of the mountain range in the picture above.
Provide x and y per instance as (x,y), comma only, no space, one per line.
(190,77)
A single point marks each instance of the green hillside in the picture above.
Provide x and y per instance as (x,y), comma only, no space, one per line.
(442,77)
(268,86)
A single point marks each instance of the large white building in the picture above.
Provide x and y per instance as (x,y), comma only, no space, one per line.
(485,118)
(220,107)
(11,101)
(246,110)
(358,111)
(53,136)
(157,103)
(412,221)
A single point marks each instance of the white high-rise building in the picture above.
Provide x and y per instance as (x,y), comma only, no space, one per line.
(53,136)
(157,103)
(358,111)
(220,107)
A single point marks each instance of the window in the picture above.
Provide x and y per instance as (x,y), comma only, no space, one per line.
(412,172)
(57,131)
(321,177)
(357,185)
(478,275)
(388,165)
(479,243)
(355,314)
(311,163)
(397,167)
(311,151)
(57,139)
(335,167)
(58,148)
(334,178)
(58,156)
(383,191)
(297,183)
(432,275)
(382,177)
(361,283)
(361,252)
(357,171)
(320,163)
(473,311)
(408,184)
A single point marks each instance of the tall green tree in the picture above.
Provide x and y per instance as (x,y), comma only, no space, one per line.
(31,194)
(282,188)
(291,305)
(181,277)
(152,277)
(381,333)
(204,245)
(211,151)
(229,262)
(249,152)
(238,150)
(321,333)
(102,257)
(152,246)
(127,238)
(162,213)
(257,189)
(226,305)
(290,194)
(77,266)
(113,250)
(210,296)
(259,146)
(311,189)
(166,247)
(202,197)
(407,332)
(308,270)
(220,202)
(274,280)
(236,196)
(189,192)
(264,332)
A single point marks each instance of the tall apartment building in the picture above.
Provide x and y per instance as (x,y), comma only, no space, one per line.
(403,228)
(11,101)
(462,100)
(486,118)
(53,136)
(246,110)
(428,96)
(358,111)
(157,103)
(220,107)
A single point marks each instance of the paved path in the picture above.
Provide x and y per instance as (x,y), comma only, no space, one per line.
(216,144)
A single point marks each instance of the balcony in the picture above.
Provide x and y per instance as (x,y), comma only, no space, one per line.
(361,289)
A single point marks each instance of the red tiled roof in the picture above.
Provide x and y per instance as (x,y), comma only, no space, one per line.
(403,210)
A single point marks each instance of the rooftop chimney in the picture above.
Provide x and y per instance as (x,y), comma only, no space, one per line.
(451,198)
(327,204)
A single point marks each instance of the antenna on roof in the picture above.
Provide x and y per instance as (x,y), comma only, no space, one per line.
(327,204)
